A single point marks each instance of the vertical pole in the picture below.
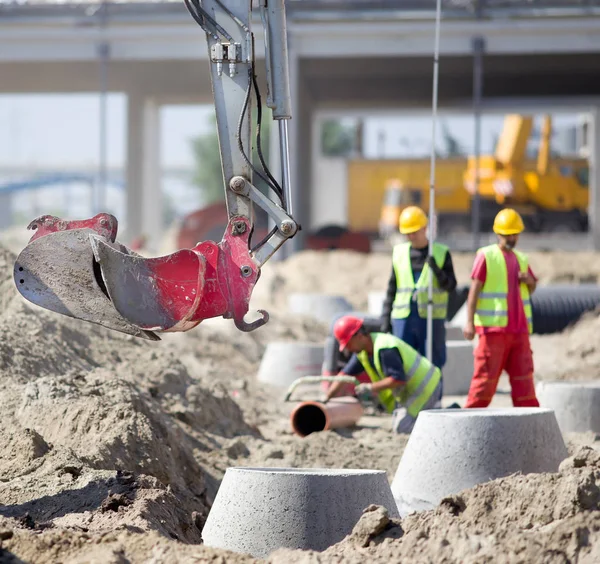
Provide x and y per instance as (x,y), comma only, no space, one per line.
(593,142)
(478,47)
(99,202)
(434,106)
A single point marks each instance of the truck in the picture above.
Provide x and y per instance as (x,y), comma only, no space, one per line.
(549,191)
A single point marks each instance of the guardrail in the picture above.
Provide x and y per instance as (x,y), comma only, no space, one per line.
(309,9)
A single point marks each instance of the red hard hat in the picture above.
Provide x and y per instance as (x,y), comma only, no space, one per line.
(345,328)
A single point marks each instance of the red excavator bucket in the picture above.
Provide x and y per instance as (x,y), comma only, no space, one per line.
(78,269)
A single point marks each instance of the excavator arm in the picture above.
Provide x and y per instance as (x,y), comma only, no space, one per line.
(79,269)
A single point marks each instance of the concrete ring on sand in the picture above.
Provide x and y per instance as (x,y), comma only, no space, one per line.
(575,404)
(284,362)
(320,306)
(451,450)
(258,510)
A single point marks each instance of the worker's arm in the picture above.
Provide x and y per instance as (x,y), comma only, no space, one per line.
(529,279)
(445,275)
(478,277)
(353,368)
(385,384)
(393,369)
(474,291)
(388,304)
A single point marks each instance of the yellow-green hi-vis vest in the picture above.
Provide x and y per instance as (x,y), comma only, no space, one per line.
(492,305)
(423,377)
(406,287)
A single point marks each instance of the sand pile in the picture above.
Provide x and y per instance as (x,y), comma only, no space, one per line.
(532,518)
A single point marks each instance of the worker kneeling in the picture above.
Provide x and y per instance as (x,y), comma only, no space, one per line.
(405,382)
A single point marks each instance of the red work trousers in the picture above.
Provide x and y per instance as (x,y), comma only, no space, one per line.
(494,353)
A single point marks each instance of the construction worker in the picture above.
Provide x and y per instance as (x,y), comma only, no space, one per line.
(499,311)
(405,306)
(404,381)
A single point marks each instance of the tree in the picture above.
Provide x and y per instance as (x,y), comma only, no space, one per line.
(208,175)
(337,139)
(207,166)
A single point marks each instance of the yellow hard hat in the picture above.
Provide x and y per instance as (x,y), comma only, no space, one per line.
(508,222)
(412,219)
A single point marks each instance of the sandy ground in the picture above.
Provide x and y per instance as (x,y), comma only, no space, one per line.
(112,448)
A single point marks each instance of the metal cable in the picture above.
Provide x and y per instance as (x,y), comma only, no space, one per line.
(240,144)
(201,17)
(277,188)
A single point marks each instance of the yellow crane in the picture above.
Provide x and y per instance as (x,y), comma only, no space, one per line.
(551,193)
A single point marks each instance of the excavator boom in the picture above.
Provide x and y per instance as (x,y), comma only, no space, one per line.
(78,268)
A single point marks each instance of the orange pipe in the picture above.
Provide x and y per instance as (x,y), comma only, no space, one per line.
(313,416)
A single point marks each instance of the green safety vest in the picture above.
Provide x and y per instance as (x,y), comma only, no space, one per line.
(492,305)
(405,284)
(423,377)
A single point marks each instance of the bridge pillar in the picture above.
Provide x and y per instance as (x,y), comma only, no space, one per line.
(300,131)
(6,218)
(594,181)
(144,195)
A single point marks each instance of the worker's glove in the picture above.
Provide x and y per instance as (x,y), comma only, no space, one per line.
(364,391)
(441,276)
(433,265)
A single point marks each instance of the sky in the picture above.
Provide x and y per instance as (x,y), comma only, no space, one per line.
(45,130)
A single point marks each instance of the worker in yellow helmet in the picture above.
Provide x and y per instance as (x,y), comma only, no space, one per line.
(405,307)
(499,311)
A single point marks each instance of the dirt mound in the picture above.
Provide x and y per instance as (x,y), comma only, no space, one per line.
(122,545)
(532,518)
